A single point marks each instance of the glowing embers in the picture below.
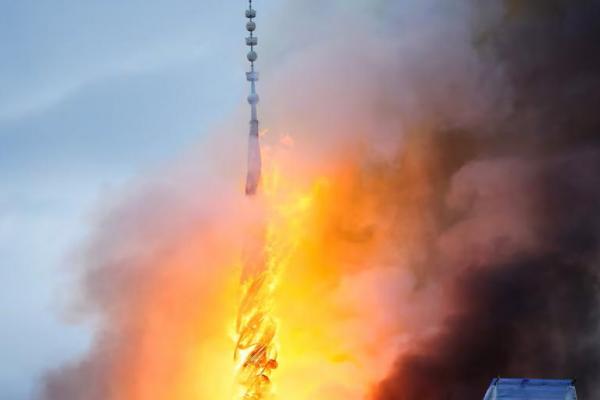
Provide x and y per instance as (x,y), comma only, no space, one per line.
(256,351)
(268,253)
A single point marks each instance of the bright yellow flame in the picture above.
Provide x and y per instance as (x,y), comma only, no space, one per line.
(256,327)
(311,321)
(302,333)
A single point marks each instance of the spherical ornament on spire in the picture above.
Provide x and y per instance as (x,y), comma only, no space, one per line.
(253,98)
(251,26)
(252,56)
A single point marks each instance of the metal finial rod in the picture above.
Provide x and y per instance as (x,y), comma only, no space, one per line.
(254,156)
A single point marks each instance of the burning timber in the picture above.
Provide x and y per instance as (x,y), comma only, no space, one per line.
(255,351)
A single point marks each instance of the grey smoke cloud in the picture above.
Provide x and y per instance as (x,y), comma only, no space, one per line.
(500,109)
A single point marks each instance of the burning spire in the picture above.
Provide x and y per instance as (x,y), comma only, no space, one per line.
(254,159)
(255,351)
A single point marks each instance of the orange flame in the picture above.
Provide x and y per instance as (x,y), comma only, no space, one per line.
(256,327)
(255,348)
(311,320)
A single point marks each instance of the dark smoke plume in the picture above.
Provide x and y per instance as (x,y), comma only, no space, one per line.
(522,304)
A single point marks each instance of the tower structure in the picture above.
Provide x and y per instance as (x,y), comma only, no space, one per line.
(254,157)
(529,389)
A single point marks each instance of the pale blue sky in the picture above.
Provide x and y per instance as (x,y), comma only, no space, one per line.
(92,93)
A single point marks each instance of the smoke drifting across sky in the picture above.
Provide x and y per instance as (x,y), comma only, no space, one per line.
(520,248)
(468,139)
